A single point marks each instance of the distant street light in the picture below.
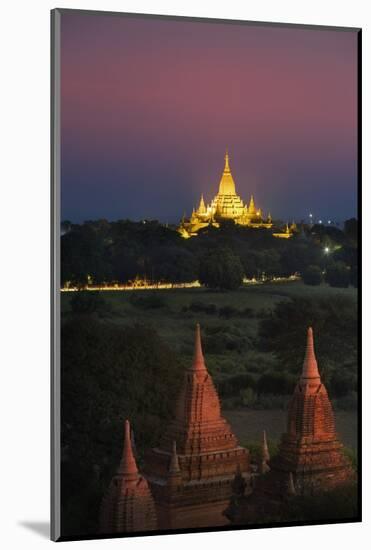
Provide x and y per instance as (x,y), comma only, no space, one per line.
(329,221)
(326,249)
(320,221)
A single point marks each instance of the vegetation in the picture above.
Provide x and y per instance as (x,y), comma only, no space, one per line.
(253,338)
(338,504)
(101,252)
(338,275)
(221,269)
(312,275)
(109,373)
(124,353)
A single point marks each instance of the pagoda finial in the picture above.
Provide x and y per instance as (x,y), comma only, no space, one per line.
(198,358)
(128,466)
(265,450)
(226,158)
(174,467)
(310,367)
(265,457)
(291,491)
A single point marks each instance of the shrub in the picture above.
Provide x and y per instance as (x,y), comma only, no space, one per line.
(338,275)
(312,275)
(221,269)
(148,301)
(281,383)
(248,397)
(86,302)
(210,309)
(228,311)
(354,276)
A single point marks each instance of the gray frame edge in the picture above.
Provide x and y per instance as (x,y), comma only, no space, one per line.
(55,490)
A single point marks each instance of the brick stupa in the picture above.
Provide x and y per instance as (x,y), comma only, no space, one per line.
(192,470)
(128,504)
(310,457)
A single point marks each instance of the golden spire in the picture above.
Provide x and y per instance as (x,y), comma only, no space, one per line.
(252,205)
(226,158)
(226,185)
(201,207)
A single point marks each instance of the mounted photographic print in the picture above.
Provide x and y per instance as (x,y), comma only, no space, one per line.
(205,205)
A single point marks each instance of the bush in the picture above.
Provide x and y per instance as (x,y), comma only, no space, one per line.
(231,386)
(108,373)
(228,311)
(87,302)
(197,307)
(347,403)
(338,275)
(148,301)
(312,275)
(334,322)
(248,397)
(221,269)
(281,383)
(354,276)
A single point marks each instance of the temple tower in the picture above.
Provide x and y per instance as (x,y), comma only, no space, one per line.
(310,449)
(192,470)
(310,458)
(128,504)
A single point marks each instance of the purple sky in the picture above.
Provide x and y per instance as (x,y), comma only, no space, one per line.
(149,106)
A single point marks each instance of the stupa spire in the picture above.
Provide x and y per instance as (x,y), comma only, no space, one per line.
(291,491)
(265,457)
(128,504)
(174,462)
(265,450)
(226,185)
(226,158)
(252,205)
(201,207)
(128,467)
(310,367)
(198,356)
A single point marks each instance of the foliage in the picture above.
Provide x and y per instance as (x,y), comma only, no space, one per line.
(221,269)
(312,275)
(148,301)
(338,275)
(334,322)
(340,503)
(88,302)
(101,251)
(108,374)
(198,307)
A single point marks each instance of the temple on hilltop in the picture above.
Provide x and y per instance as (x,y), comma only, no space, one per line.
(226,205)
(128,504)
(310,458)
(192,470)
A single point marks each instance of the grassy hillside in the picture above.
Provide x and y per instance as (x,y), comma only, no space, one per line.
(229,323)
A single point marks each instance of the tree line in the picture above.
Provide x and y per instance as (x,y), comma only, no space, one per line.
(104,252)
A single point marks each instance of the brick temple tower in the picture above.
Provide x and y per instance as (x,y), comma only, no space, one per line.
(128,504)
(310,457)
(192,470)
(310,449)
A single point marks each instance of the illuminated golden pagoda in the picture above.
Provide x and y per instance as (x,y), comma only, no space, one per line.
(226,205)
